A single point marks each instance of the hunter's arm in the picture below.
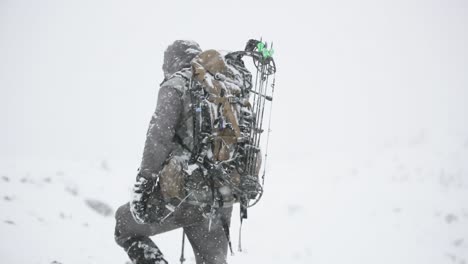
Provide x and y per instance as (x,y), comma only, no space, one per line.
(159,138)
(159,144)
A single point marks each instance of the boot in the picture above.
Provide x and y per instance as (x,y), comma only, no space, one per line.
(142,250)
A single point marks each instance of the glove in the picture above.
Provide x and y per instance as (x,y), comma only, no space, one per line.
(139,205)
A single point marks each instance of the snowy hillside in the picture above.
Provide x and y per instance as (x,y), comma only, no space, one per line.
(407,204)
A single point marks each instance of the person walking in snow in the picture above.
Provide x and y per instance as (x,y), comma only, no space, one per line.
(176,187)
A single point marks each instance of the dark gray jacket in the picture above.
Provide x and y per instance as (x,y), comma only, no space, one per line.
(165,123)
(160,141)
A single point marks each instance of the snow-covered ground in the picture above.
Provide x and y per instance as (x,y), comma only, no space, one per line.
(406,204)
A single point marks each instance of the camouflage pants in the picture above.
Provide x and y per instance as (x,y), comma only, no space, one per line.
(209,246)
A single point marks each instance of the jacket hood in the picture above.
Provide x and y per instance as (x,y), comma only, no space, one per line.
(178,55)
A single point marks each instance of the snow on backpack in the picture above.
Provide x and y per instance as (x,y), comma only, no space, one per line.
(219,117)
(223,114)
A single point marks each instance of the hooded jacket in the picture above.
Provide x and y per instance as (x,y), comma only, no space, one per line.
(160,137)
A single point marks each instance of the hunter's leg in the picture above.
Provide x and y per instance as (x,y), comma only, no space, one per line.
(134,237)
(210,245)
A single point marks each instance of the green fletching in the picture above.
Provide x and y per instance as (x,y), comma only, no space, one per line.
(260,46)
(265,52)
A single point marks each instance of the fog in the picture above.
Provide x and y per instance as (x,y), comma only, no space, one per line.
(355,79)
(80,79)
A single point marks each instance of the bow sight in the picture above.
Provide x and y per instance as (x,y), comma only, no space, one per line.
(261,55)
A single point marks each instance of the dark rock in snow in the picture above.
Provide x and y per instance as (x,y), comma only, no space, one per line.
(455,259)
(5,178)
(100,207)
(450,218)
(452,257)
(72,190)
(7,198)
(65,216)
(458,242)
(105,165)
(9,222)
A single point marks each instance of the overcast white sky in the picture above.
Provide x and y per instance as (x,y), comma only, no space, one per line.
(79,79)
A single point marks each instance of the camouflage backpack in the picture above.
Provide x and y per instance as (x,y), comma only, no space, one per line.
(214,136)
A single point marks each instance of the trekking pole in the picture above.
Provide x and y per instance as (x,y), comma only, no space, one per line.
(182,258)
(239,245)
